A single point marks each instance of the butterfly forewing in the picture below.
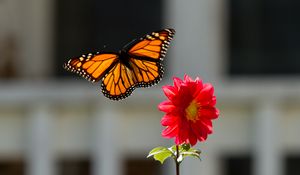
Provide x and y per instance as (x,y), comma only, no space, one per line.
(92,67)
(153,46)
(118,83)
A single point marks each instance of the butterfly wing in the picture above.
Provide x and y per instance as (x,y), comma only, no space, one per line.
(147,73)
(119,82)
(152,46)
(92,67)
(145,59)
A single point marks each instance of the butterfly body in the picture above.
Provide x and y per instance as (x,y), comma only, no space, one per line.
(124,59)
(138,64)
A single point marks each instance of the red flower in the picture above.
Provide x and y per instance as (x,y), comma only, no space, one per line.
(189,110)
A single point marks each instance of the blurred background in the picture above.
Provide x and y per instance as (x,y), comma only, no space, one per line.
(56,123)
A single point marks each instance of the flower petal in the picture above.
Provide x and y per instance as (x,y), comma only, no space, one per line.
(199,131)
(209,113)
(169,119)
(213,101)
(192,138)
(177,82)
(198,80)
(203,137)
(169,91)
(177,141)
(206,93)
(183,132)
(206,125)
(184,96)
(170,131)
(166,106)
(198,86)
(187,78)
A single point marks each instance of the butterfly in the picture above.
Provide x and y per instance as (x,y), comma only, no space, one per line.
(137,64)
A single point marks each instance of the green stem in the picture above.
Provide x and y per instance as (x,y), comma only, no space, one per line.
(176,161)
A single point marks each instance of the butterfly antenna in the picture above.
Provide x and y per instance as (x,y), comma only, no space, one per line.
(129,44)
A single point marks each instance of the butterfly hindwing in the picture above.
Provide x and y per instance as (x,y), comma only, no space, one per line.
(147,73)
(118,83)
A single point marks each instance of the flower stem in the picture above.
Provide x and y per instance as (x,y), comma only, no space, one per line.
(176,161)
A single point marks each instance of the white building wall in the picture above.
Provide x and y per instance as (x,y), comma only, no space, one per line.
(131,129)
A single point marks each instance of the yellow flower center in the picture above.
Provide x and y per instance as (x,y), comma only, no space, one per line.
(192,111)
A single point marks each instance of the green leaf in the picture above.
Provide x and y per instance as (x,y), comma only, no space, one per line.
(192,152)
(156,150)
(173,148)
(160,154)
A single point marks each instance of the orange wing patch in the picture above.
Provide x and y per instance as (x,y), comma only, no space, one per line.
(119,82)
(92,67)
(139,45)
(146,72)
(153,46)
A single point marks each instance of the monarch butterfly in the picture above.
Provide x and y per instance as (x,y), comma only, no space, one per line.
(138,64)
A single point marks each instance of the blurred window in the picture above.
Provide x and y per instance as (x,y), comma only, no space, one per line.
(84,26)
(237,165)
(12,167)
(8,41)
(264,37)
(292,165)
(142,166)
(76,166)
